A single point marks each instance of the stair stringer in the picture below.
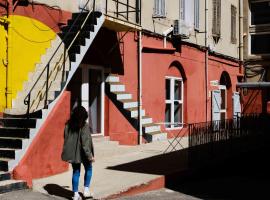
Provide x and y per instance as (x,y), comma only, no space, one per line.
(45,112)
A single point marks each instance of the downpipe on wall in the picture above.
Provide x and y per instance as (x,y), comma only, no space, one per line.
(206,60)
(140,86)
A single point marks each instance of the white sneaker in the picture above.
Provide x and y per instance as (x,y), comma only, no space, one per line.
(87,193)
(77,198)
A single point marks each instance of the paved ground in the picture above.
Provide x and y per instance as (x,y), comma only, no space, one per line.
(27,195)
(119,168)
(163,194)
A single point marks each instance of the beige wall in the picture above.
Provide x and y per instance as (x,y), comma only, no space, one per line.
(159,25)
(224,46)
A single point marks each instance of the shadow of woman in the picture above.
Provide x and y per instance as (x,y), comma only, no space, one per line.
(60,191)
(57,190)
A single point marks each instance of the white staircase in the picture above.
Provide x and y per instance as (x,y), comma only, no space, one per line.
(151,131)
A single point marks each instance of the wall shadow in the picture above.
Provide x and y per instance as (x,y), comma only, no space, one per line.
(220,176)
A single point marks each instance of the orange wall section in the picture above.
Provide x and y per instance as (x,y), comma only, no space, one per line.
(43,157)
(155,66)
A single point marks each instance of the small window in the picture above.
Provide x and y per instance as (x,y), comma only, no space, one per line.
(159,8)
(216,18)
(174,103)
(260,43)
(233,24)
(196,14)
(260,12)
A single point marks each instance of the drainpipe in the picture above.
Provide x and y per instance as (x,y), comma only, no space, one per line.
(241,45)
(206,60)
(140,86)
(8,92)
(165,34)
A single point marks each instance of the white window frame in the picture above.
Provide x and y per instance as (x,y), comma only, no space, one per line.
(159,9)
(249,43)
(171,102)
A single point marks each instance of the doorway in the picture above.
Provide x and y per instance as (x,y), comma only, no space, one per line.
(92,96)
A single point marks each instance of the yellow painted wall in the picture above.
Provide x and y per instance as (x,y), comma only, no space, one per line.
(27,41)
(2,67)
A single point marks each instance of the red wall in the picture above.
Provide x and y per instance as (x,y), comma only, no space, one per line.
(156,66)
(43,157)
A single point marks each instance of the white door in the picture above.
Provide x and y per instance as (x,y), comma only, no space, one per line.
(236,105)
(92,91)
(223,103)
(216,104)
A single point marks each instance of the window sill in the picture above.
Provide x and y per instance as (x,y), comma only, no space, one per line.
(175,128)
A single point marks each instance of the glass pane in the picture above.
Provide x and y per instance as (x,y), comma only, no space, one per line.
(260,44)
(177,114)
(223,99)
(168,94)
(260,13)
(177,90)
(168,115)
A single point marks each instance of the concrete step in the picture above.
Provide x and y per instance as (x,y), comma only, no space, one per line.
(112,79)
(114,87)
(4,176)
(122,96)
(134,112)
(129,104)
(7,153)
(146,120)
(12,185)
(4,164)
(10,142)
(155,136)
(18,122)
(148,128)
(12,132)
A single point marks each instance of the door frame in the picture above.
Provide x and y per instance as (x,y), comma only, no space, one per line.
(85,78)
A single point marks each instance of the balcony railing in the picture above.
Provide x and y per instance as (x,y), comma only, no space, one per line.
(126,10)
(217,140)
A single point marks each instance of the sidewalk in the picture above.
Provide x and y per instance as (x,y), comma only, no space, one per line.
(120,170)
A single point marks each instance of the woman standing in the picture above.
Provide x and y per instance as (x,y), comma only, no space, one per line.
(78,148)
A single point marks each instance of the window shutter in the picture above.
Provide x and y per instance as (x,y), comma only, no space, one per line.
(216,103)
(156,7)
(159,8)
(162,8)
(197,14)
(233,24)
(182,10)
(216,17)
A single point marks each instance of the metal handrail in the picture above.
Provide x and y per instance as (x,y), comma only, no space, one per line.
(27,99)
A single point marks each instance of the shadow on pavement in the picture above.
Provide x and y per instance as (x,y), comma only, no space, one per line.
(56,190)
(240,176)
(160,165)
(60,191)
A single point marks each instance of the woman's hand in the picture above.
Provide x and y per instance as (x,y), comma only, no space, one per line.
(91,159)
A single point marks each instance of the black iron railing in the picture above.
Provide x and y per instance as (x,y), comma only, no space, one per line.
(216,140)
(62,60)
(129,10)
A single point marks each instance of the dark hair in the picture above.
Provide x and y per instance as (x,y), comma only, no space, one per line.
(78,118)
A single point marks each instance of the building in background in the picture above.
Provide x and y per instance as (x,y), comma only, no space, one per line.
(256,55)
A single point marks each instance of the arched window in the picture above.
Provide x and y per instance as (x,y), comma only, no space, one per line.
(174,101)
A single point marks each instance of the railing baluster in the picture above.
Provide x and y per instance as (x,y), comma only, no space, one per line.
(47,86)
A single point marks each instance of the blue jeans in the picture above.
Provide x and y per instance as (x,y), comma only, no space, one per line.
(76,174)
